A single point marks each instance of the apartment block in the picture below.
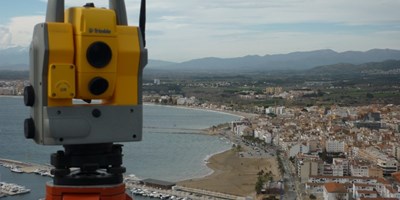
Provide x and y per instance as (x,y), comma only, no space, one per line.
(333,146)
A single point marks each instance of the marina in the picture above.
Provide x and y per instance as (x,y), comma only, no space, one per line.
(170,191)
(11,189)
(134,185)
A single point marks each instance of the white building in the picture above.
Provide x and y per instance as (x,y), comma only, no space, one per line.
(278,110)
(359,170)
(333,146)
(396,151)
(181,101)
(298,148)
(8,91)
(340,167)
(263,135)
(240,130)
(186,101)
(388,165)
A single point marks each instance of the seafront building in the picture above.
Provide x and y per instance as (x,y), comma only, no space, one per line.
(12,87)
(334,146)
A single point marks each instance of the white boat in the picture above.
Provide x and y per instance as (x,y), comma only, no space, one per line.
(15,169)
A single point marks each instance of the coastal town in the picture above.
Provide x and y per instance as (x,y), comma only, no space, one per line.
(334,139)
(320,139)
(332,151)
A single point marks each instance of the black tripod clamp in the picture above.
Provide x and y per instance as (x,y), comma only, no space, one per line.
(88,164)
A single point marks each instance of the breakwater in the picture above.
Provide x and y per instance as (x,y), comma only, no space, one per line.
(22,167)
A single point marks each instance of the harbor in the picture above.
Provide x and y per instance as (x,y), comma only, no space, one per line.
(138,187)
(170,191)
(11,189)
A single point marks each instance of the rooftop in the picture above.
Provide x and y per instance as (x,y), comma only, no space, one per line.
(335,187)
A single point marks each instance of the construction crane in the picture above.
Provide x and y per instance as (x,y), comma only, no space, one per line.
(91,54)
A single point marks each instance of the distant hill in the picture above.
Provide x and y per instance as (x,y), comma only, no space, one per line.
(159,64)
(14,74)
(385,67)
(17,59)
(291,61)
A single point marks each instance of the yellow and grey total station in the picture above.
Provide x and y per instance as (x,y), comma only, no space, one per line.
(85,53)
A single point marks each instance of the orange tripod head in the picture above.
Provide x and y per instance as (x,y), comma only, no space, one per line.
(116,192)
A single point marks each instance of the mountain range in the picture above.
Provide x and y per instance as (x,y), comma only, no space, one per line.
(290,61)
(17,59)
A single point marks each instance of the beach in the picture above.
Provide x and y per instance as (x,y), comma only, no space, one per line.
(229,112)
(233,174)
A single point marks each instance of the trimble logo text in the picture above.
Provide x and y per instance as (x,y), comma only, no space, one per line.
(99,30)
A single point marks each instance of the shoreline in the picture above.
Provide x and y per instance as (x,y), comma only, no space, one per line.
(210,129)
(233,113)
(205,163)
(227,112)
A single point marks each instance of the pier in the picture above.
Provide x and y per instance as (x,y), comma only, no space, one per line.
(21,167)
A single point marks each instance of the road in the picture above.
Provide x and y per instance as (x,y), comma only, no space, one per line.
(290,180)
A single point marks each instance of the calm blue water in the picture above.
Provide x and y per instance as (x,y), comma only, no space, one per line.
(171,148)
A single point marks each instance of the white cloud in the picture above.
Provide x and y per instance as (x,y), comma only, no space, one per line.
(228,28)
(5,37)
(18,32)
(179,30)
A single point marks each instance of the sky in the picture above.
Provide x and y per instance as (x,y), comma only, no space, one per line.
(181,30)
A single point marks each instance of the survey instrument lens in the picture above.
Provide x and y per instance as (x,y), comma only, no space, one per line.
(98,85)
(98,54)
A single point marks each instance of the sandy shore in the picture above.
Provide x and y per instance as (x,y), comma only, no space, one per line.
(235,113)
(233,174)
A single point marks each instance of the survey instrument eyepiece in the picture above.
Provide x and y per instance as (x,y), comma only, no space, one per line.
(78,55)
(99,54)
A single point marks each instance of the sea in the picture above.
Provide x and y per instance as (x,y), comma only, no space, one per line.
(173,146)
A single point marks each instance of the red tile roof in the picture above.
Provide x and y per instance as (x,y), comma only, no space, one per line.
(332,187)
(396,176)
